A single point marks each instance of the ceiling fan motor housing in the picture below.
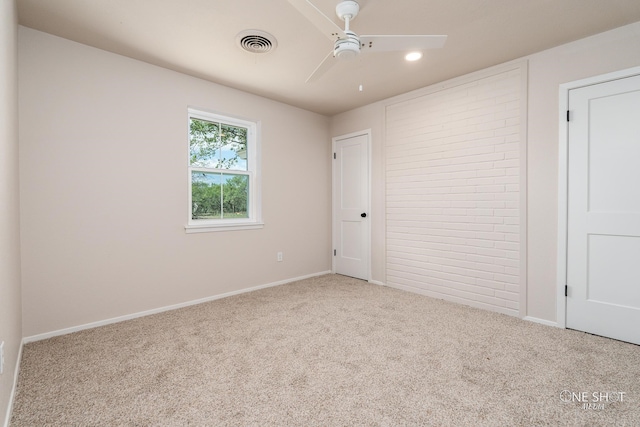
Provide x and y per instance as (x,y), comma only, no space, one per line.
(347,48)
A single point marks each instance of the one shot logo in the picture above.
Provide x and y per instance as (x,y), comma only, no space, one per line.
(595,400)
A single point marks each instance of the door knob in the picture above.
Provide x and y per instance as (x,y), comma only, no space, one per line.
(363,215)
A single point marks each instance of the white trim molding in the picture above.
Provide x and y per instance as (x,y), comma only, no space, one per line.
(524,195)
(12,396)
(540,321)
(252,173)
(563,168)
(118,319)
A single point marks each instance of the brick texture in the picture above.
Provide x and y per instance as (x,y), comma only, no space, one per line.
(453,191)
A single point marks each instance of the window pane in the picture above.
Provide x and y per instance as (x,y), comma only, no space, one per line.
(217,146)
(235,196)
(204,143)
(206,197)
(233,153)
(232,157)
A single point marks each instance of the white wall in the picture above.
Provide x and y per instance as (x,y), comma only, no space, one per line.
(103,184)
(610,51)
(103,181)
(602,53)
(10,305)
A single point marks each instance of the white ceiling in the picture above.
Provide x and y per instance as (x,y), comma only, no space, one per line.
(198,37)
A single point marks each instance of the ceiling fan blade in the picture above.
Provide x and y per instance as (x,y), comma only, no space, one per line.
(319,19)
(395,43)
(328,62)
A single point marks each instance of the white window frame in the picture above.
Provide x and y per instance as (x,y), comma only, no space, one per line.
(254,219)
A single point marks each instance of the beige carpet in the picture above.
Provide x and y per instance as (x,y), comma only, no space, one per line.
(328,351)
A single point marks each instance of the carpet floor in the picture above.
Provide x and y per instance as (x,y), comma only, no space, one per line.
(328,351)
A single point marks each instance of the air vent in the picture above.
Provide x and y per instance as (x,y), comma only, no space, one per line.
(256,41)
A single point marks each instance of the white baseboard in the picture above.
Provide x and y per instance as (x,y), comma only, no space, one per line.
(541,321)
(376,282)
(16,372)
(72,329)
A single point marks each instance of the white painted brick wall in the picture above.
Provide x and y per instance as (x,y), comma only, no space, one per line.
(452,193)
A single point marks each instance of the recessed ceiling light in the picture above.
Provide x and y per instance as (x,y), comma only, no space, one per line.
(413,56)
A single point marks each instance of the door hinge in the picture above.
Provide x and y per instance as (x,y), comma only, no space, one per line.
(568,115)
(566,290)
(334,252)
(334,156)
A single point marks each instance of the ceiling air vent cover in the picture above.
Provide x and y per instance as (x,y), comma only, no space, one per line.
(256,41)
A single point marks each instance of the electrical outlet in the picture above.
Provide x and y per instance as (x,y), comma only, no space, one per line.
(279,256)
(1,357)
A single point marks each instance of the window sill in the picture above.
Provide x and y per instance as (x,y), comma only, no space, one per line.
(209,228)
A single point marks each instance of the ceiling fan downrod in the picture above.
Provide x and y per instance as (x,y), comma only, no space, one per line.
(349,47)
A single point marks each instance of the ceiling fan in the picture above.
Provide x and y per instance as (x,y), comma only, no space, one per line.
(348,44)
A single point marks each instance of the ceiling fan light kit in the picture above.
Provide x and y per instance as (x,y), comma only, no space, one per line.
(348,45)
(347,48)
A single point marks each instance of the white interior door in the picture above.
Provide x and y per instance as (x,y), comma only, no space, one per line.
(351,206)
(603,242)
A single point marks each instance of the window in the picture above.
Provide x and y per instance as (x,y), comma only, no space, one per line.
(223,173)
